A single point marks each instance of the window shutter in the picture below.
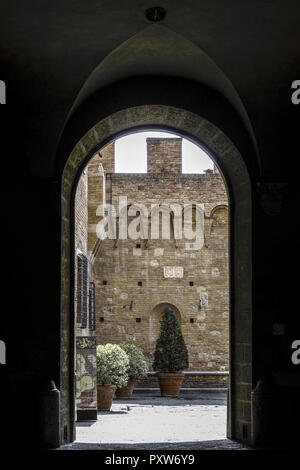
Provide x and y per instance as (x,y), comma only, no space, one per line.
(78,291)
(92,312)
(82,290)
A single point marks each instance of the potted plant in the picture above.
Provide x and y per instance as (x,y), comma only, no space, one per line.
(138,369)
(112,367)
(170,356)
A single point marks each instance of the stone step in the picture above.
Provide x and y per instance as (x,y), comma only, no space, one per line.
(155,391)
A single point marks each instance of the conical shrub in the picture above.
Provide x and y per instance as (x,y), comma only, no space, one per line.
(171,354)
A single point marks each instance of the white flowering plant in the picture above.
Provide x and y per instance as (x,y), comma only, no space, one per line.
(138,366)
(112,365)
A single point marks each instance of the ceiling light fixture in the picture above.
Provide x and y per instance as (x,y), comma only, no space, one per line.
(155,14)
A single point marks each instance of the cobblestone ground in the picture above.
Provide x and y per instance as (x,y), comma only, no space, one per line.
(158,423)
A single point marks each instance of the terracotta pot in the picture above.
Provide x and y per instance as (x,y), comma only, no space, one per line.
(170,383)
(126,391)
(105,395)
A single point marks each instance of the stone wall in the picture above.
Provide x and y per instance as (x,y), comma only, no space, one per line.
(132,277)
(192,379)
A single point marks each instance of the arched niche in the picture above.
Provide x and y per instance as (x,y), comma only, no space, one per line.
(155,318)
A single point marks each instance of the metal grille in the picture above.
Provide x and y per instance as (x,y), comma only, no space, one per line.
(92,313)
(82,290)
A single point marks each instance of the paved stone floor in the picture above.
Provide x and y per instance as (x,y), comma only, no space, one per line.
(145,422)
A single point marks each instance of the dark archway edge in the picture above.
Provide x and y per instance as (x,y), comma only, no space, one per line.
(236,175)
(169,91)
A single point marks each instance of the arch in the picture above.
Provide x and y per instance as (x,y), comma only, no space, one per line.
(217,208)
(155,318)
(159,308)
(237,179)
(219,216)
(158,50)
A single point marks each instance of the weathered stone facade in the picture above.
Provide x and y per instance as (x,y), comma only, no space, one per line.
(134,279)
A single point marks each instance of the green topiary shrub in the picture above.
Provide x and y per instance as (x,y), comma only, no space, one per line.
(138,366)
(171,354)
(112,365)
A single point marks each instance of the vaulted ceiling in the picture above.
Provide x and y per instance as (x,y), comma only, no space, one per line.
(55,54)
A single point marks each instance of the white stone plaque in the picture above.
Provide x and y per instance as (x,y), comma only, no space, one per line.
(204,299)
(154,263)
(173,271)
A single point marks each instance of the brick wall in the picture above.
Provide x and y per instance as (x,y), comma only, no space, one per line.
(107,158)
(159,152)
(96,189)
(127,311)
(192,379)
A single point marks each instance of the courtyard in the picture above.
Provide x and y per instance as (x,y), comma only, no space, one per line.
(192,421)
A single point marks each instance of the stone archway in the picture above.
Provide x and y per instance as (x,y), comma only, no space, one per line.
(232,165)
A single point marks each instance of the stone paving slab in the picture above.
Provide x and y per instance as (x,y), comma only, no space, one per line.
(158,423)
